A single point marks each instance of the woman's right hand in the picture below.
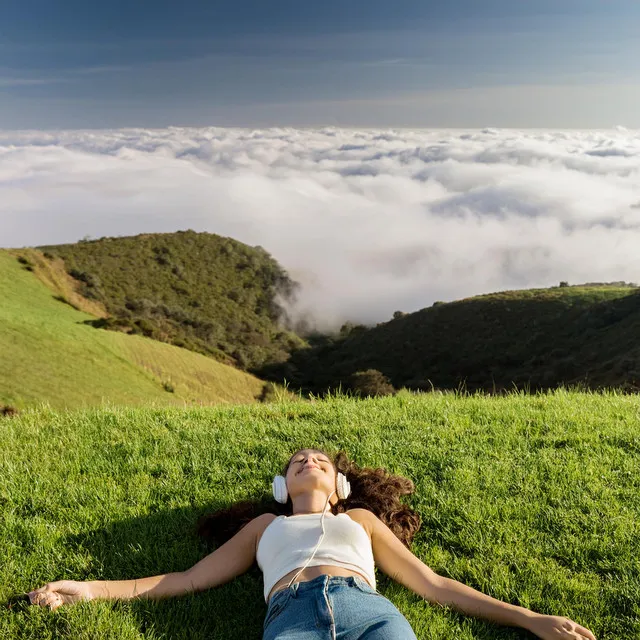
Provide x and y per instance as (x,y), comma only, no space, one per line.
(55,594)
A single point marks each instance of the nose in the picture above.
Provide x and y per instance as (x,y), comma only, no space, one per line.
(310,460)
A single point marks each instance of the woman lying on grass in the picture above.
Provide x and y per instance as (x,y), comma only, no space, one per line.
(318,562)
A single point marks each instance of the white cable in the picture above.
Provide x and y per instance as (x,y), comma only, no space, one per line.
(319,542)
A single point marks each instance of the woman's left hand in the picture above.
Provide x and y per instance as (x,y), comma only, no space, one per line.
(558,628)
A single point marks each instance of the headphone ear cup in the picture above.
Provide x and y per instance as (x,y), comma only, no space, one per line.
(279,489)
(343,486)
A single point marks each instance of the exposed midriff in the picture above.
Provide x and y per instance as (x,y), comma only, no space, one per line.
(313,572)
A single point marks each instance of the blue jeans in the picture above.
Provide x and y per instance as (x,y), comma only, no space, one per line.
(334,608)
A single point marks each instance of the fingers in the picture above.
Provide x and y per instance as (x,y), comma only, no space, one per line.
(583,631)
(46,587)
(45,598)
(50,586)
(577,631)
(34,596)
(47,595)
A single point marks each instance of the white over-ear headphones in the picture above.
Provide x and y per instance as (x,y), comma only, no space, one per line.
(280,493)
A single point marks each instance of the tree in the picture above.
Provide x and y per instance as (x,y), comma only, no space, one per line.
(371,383)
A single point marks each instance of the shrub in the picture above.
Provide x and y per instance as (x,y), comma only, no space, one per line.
(241,358)
(144,327)
(28,265)
(268,393)
(167,386)
(371,383)
(83,276)
(348,328)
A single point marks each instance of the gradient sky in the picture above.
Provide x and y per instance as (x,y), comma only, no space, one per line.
(362,63)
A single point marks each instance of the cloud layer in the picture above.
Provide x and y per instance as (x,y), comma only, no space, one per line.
(368,221)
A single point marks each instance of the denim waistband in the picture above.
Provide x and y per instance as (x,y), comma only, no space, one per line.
(316,583)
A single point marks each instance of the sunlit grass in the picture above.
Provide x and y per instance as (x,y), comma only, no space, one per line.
(532,499)
(48,354)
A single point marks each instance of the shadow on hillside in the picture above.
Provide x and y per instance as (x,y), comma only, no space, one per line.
(491,344)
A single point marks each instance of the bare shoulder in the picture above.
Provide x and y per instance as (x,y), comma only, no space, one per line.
(361,514)
(265,517)
(365,518)
(261,523)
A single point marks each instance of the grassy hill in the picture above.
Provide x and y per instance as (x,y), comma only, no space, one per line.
(222,298)
(200,291)
(538,338)
(531,499)
(49,354)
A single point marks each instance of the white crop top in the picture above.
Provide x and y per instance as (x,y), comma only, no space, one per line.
(288,542)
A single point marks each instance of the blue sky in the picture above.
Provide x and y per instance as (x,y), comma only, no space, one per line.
(407,63)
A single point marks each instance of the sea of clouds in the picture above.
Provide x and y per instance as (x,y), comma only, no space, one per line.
(368,221)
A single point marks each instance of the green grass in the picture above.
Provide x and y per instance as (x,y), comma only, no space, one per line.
(532,499)
(48,354)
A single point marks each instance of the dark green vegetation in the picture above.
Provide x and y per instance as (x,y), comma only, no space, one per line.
(533,339)
(223,299)
(532,499)
(48,353)
(199,291)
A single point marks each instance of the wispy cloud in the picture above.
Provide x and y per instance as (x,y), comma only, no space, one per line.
(7,82)
(99,69)
(35,77)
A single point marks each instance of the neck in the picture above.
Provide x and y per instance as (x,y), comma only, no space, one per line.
(311,502)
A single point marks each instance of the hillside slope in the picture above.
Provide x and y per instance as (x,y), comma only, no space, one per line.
(539,338)
(200,291)
(49,354)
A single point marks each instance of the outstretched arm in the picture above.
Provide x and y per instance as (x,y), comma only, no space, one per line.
(232,559)
(399,563)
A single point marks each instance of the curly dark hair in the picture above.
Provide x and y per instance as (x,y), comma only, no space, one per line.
(374,489)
